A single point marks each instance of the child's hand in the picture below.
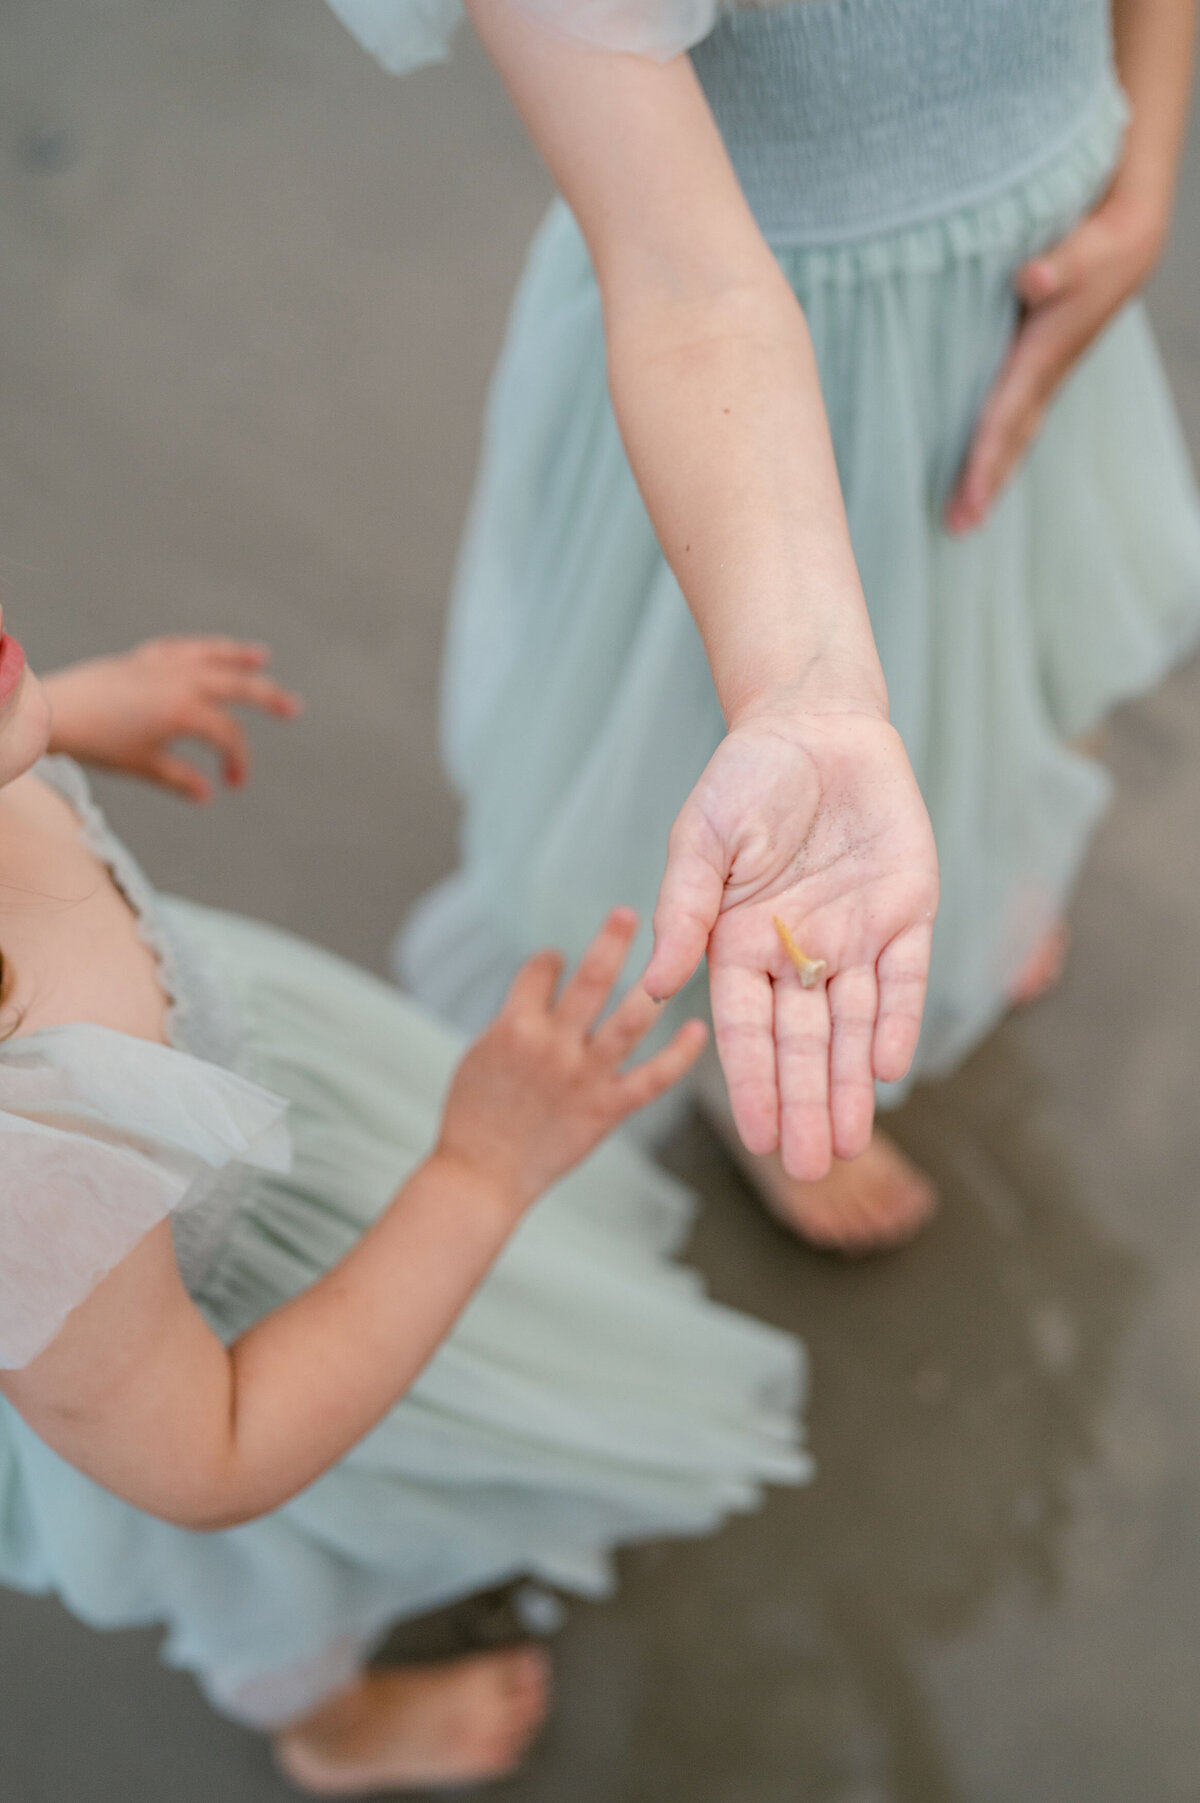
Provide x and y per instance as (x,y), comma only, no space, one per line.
(540,1089)
(1069,293)
(125,712)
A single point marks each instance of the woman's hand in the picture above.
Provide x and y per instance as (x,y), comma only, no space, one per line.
(126,712)
(545,1084)
(815,819)
(1068,294)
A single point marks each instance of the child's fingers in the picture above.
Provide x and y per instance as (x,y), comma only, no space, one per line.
(587,991)
(654,1076)
(535,983)
(250,690)
(626,1026)
(228,739)
(177,774)
(244,654)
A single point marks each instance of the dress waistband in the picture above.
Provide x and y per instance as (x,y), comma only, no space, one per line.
(845,118)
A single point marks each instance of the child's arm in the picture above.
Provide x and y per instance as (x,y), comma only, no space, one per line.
(125,712)
(1070,292)
(138,1392)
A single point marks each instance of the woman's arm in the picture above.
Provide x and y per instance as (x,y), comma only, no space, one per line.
(1155,43)
(1071,291)
(140,1394)
(809,809)
(710,366)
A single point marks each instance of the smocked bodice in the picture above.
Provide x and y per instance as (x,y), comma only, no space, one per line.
(843,118)
(848,117)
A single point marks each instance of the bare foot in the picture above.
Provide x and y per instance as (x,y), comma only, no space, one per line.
(1043,968)
(866,1204)
(421,1727)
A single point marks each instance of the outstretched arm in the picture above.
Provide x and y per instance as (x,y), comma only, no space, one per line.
(138,1392)
(808,810)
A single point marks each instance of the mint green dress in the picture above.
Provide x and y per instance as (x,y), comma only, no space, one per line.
(903,160)
(589,1396)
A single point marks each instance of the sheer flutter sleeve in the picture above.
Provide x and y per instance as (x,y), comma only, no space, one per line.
(404,34)
(102,1137)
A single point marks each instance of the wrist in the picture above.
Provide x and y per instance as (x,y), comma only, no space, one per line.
(1139,205)
(481,1190)
(835,670)
(68,719)
(815,692)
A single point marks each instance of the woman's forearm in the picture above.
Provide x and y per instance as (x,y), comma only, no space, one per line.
(720,409)
(710,365)
(1154,42)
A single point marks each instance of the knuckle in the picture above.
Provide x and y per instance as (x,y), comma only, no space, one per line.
(801,1042)
(733,1034)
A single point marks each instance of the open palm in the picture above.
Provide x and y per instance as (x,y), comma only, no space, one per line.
(816,820)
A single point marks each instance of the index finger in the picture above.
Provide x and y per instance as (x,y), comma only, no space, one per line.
(249,689)
(585,994)
(743,1011)
(246,654)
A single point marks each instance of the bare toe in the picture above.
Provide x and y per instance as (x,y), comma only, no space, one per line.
(868,1204)
(1042,970)
(421,1727)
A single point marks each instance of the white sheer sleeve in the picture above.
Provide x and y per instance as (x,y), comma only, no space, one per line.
(101,1138)
(404,34)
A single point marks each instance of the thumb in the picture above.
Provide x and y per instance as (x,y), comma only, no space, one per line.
(689,901)
(1053,271)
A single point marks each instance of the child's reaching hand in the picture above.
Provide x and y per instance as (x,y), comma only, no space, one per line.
(126,712)
(544,1084)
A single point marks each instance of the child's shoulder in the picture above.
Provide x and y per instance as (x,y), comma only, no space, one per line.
(102,1136)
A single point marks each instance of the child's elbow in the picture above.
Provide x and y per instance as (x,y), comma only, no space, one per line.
(216,1519)
(215,1510)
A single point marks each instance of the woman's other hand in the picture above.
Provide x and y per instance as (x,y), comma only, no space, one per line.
(1068,294)
(814,819)
(127,712)
(1071,291)
(547,1081)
